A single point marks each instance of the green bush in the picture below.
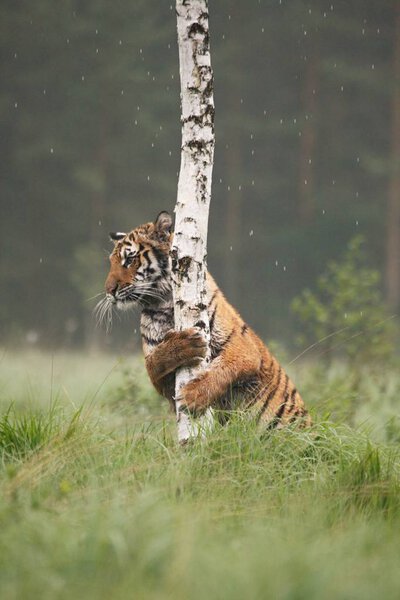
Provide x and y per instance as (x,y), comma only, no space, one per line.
(346,316)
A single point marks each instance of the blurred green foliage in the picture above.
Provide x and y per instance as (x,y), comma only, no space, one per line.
(346,315)
(90,130)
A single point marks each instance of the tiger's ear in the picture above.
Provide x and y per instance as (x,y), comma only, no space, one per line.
(115,237)
(163,225)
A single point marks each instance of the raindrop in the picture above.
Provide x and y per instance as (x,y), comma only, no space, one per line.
(231,248)
(120,42)
(51,150)
(228,188)
(252,183)
(305,182)
(148,177)
(372,66)
(100,223)
(83,78)
(97,50)
(67,40)
(251,232)
(323,211)
(363,31)
(223,36)
(356,223)
(44,92)
(15,55)
(40,260)
(122,92)
(357,194)
(138,107)
(15,104)
(135,121)
(252,152)
(284,268)
(239,188)
(276,263)
(262,29)
(170,153)
(97,31)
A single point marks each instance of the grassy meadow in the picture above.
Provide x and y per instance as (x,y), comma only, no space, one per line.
(98,501)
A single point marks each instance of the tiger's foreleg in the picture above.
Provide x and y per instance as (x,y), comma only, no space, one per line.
(178,349)
(205,390)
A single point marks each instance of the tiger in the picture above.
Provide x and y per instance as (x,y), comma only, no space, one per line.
(242,373)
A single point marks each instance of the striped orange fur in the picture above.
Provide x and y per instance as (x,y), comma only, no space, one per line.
(242,372)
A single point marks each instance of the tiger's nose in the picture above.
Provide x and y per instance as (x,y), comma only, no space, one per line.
(111,287)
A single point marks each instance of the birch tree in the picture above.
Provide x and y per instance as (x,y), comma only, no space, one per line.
(194,188)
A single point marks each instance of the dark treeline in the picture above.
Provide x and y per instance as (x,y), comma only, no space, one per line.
(307,150)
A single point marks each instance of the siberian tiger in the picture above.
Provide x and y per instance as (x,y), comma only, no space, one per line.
(242,372)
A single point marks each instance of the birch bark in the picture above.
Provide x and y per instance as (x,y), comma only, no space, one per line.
(189,248)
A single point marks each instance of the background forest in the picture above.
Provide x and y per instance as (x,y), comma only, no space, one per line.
(97,499)
(307,151)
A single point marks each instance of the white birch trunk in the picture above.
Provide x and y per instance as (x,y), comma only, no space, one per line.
(189,249)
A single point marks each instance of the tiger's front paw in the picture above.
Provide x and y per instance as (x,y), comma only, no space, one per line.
(189,346)
(193,398)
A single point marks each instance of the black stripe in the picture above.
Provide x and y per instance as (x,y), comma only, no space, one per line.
(278,415)
(281,408)
(224,343)
(160,257)
(145,255)
(271,393)
(213,297)
(151,312)
(244,328)
(292,401)
(212,318)
(217,347)
(149,341)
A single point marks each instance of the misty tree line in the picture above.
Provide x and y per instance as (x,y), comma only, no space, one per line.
(307,149)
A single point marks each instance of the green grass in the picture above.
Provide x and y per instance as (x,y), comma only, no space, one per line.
(98,501)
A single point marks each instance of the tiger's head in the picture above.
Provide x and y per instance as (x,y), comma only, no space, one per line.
(139,267)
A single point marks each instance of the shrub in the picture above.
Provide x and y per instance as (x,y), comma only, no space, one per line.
(346,315)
